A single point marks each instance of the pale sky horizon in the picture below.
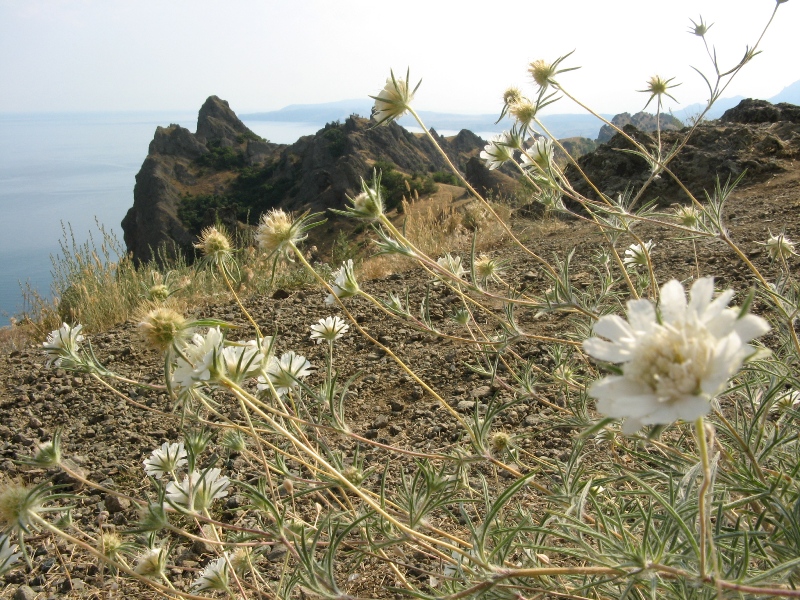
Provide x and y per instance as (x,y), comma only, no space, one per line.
(115,55)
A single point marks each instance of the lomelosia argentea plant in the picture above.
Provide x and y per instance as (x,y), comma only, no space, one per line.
(682,399)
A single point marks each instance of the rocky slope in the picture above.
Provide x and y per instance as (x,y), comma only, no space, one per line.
(755,136)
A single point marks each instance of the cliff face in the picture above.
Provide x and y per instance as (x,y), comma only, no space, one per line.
(170,169)
(642,121)
(223,172)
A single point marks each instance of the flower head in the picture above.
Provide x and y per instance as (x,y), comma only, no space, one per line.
(539,156)
(544,73)
(213,577)
(674,361)
(452,264)
(394,100)
(688,215)
(369,203)
(779,246)
(329,329)
(700,28)
(197,491)
(152,563)
(165,460)
(636,255)
(277,232)
(657,87)
(214,244)
(243,360)
(284,374)
(62,346)
(200,360)
(487,268)
(498,150)
(162,327)
(344,282)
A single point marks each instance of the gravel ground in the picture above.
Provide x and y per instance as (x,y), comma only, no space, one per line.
(107,436)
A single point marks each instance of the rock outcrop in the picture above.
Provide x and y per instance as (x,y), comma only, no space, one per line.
(642,121)
(224,172)
(745,138)
(152,224)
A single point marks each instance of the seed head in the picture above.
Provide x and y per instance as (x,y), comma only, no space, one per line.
(700,28)
(214,243)
(277,232)
(541,72)
(110,545)
(657,88)
(500,441)
(689,216)
(18,504)
(523,111)
(512,96)
(158,293)
(162,327)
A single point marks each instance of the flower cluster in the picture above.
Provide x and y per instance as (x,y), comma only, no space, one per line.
(675,360)
(284,374)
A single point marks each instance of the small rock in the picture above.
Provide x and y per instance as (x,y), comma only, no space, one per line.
(481,392)
(465,405)
(116,504)
(24,592)
(380,421)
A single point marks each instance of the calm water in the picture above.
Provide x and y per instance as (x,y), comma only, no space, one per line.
(70,169)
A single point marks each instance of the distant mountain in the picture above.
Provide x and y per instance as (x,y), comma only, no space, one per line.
(790,94)
(561,126)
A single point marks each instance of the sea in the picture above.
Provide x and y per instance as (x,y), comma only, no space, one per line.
(62,174)
(66,172)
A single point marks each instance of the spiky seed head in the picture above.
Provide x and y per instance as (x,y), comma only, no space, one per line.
(214,243)
(512,95)
(688,216)
(353,474)
(500,441)
(110,545)
(277,231)
(158,293)
(523,111)
(18,503)
(541,72)
(162,326)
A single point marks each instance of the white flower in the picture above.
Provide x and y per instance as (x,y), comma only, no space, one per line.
(452,264)
(246,360)
(499,150)
(197,491)
(673,363)
(152,563)
(344,283)
(539,156)
(284,373)
(8,555)
(634,255)
(779,246)
(329,329)
(200,359)
(165,460)
(213,577)
(62,346)
(394,100)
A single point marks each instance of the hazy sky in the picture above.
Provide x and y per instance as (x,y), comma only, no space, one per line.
(76,55)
